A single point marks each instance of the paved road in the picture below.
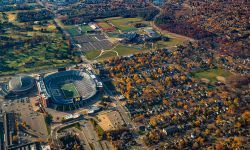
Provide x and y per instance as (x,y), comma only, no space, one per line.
(92,137)
(83,138)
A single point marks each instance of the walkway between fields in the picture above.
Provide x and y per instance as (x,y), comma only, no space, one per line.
(105,51)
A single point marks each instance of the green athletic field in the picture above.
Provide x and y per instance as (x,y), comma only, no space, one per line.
(70,90)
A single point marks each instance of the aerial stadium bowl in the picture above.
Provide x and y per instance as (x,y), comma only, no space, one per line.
(69,89)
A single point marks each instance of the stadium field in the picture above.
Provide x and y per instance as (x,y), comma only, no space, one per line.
(70,91)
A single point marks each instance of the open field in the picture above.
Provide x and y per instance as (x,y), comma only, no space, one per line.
(213,74)
(125,24)
(73,31)
(49,27)
(173,40)
(86,28)
(124,50)
(92,54)
(119,50)
(70,90)
(108,54)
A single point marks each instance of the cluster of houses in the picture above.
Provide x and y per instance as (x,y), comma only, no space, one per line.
(163,95)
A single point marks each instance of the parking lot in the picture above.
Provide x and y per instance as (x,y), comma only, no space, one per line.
(97,41)
(26,115)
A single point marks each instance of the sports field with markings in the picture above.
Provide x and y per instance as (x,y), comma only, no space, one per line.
(70,91)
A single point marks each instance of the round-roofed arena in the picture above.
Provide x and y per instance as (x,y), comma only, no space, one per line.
(19,86)
(68,90)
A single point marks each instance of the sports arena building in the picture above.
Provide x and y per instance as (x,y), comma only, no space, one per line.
(67,90)
(18,87)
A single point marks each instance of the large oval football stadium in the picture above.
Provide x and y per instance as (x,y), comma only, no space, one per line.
(68,90)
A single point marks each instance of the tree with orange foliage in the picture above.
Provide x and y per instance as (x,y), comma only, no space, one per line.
(207,132)
(246,116)
(200,140)
(139,81)
(237,125)
(183,78)
(210,93)
(168,79)
(136,77)
(197,123)
(219,146)
(153,121)
(174,117)
(24,124)
(159,70)
(218,132)
(15,138)
(218,120)
(185,106)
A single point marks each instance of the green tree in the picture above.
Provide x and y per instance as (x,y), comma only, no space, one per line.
(49,119)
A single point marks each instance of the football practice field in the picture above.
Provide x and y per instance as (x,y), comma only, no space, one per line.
(70,91)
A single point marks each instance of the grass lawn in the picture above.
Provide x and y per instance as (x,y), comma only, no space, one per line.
(73,31)
(212,74)
(86,28)
(106,55)
(92,54)
(124,50)
(125,24)
(99,131)
(49,27)
(70,90)
(113,34)
(120,49)
(170,43)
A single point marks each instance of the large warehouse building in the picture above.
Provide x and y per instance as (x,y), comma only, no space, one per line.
(67,90)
